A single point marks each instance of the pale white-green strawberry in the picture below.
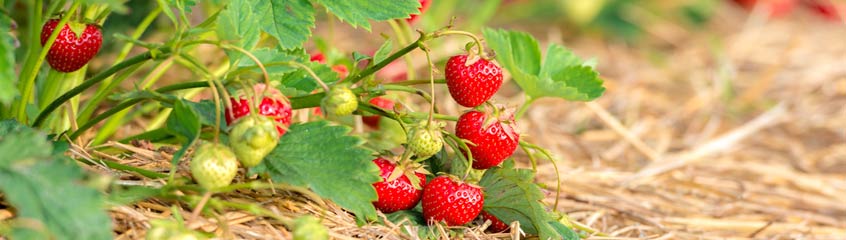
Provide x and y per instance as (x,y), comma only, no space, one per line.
(425,140)
(309,228)
(252,138)
(340,101)
(214,165)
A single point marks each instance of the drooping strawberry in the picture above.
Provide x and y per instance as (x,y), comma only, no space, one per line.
(472,85)
(424,5)
(381,102)
(252,138)
(496,224)
(493,138)
(276,108)
(75,45)
(214,165)
(451,201)
(425,139)
(396,192)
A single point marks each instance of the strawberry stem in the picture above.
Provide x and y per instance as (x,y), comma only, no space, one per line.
(401,28)
(129,103)
(479,47)
(416,82)
(431,85)
(525,146)
(524,107)
(28,77)
(162,53)
(355,78)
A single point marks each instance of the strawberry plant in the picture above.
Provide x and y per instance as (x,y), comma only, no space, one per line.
(230,87)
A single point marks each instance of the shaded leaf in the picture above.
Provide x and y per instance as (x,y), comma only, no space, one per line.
(8,91)
(237,25)
(511,195)
(324,158)
(47,190)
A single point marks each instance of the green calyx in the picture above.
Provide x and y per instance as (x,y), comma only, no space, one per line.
(252,138)
(340,101)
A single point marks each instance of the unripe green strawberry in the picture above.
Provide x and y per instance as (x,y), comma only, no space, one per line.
(252,138)
(170,230)
(214,165)
(340,101)
(425,140)
(309,228)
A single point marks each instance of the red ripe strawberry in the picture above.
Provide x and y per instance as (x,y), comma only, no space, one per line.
(383,103)
(397,194)
(71,50)
(496,224)
(424,5)
(279,110)
(831,10)
(318,57)
(472,85)
(455,203)
(493,140)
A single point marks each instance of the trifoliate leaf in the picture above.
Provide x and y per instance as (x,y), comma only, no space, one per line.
(47,190)
(324,158)
(511,195)
(359,12)
(561,75)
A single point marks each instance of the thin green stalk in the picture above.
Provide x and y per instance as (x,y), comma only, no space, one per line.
(114,123)
(417,82)
(126,168)
(130,102)
(163,53)
(28,74)
(523,108)
(107,86)
(353,79)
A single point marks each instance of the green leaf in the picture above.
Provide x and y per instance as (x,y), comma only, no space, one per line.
(205,111)
(565,232)
(237,25)
(304,82)
(8,91)
(47,190)
(562,74)
(511,195)
(331,163)
(185,124)
(289,21)
(359,12)
(383,52)
(272,60)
